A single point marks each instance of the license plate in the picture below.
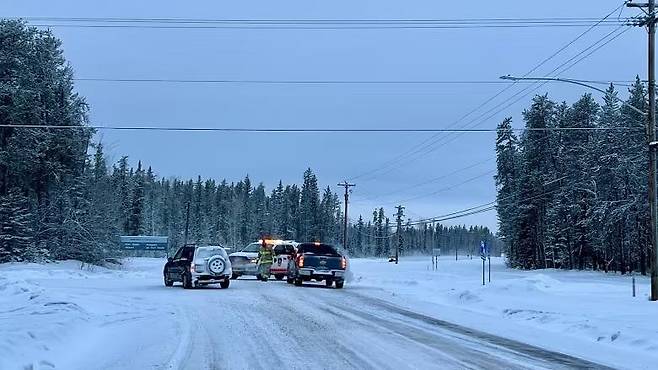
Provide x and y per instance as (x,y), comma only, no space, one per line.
(320,272)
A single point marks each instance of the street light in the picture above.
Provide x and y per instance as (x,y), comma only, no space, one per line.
(651,128)
(574,82)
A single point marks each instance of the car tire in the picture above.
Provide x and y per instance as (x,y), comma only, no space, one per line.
(187,281)
(225,284)
(279,277)
(339,284)
(328,283)
(298,282)
(235,276)
(290,280)
(168,282)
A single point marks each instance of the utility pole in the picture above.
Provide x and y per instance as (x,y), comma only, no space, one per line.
(187,223)
(650,22)
(398,246)
(347,187)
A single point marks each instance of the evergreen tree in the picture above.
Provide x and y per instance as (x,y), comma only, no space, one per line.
(507,186)
(309,208)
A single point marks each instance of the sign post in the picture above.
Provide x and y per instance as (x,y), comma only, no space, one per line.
(436,252)
(489,258)
(483,251)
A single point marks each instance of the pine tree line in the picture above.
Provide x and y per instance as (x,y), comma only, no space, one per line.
(576,199)
(378,238)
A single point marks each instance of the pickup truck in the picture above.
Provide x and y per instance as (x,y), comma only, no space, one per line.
(319,262)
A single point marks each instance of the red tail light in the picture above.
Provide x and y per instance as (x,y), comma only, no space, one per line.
(300,261)
(343,263)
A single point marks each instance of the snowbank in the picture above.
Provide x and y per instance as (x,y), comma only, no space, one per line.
(587,314)
(50,312)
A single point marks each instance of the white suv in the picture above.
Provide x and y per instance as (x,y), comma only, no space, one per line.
(194,266)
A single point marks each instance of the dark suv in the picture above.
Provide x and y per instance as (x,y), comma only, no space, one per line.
(318,261)
(195,266)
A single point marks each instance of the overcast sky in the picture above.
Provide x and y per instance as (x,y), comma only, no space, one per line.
(399,54)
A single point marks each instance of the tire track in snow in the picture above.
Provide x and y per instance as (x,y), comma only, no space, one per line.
(182,352)
(532,353)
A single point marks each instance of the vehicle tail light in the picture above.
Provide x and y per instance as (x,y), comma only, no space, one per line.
(300,261)
(343,263)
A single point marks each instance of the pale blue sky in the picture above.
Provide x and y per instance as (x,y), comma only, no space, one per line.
(475,54)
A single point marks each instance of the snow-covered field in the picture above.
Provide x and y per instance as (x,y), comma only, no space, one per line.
(68,316)
(584,313)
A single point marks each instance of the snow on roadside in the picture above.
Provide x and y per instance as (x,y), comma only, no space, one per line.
(49,312)
(587,314)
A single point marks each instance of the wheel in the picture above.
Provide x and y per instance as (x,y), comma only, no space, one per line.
(168,282)
(224,284)
(216,265)
(187,281)
(279,277)
(328,283)
(235,276)
(339,284)
(298,282)
(290,280)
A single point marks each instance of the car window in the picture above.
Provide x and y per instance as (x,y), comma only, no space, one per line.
(188,253)
(178,254)
(202,253)
(253,247)
(284,249)
(323,249)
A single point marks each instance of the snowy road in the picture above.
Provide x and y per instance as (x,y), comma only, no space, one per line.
(135,322)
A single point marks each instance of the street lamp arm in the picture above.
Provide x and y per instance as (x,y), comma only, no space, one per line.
(574,82)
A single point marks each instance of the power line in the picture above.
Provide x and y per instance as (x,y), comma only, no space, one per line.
(434,179)
(317,24)
(307,28)
(490,204)
(321,82)
(475,122)
(428,143)
(308,130)
(318,20)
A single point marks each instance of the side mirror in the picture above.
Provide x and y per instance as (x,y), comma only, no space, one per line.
(169,259)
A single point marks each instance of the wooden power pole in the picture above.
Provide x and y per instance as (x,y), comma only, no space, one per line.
(398,246)
(650,22)
(347,187)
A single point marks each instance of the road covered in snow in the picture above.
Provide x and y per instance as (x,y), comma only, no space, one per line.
(62,316)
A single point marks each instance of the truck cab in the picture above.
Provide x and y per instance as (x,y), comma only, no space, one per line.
(319,262)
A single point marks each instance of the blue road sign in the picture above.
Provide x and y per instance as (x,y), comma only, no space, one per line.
(483,248)
(144,243)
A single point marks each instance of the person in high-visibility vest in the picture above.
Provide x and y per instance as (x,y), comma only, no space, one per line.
(265,260)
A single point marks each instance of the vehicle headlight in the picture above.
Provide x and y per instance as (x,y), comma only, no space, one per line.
(254,260)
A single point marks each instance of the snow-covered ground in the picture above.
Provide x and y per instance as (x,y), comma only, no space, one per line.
(68,316)
(584,313)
